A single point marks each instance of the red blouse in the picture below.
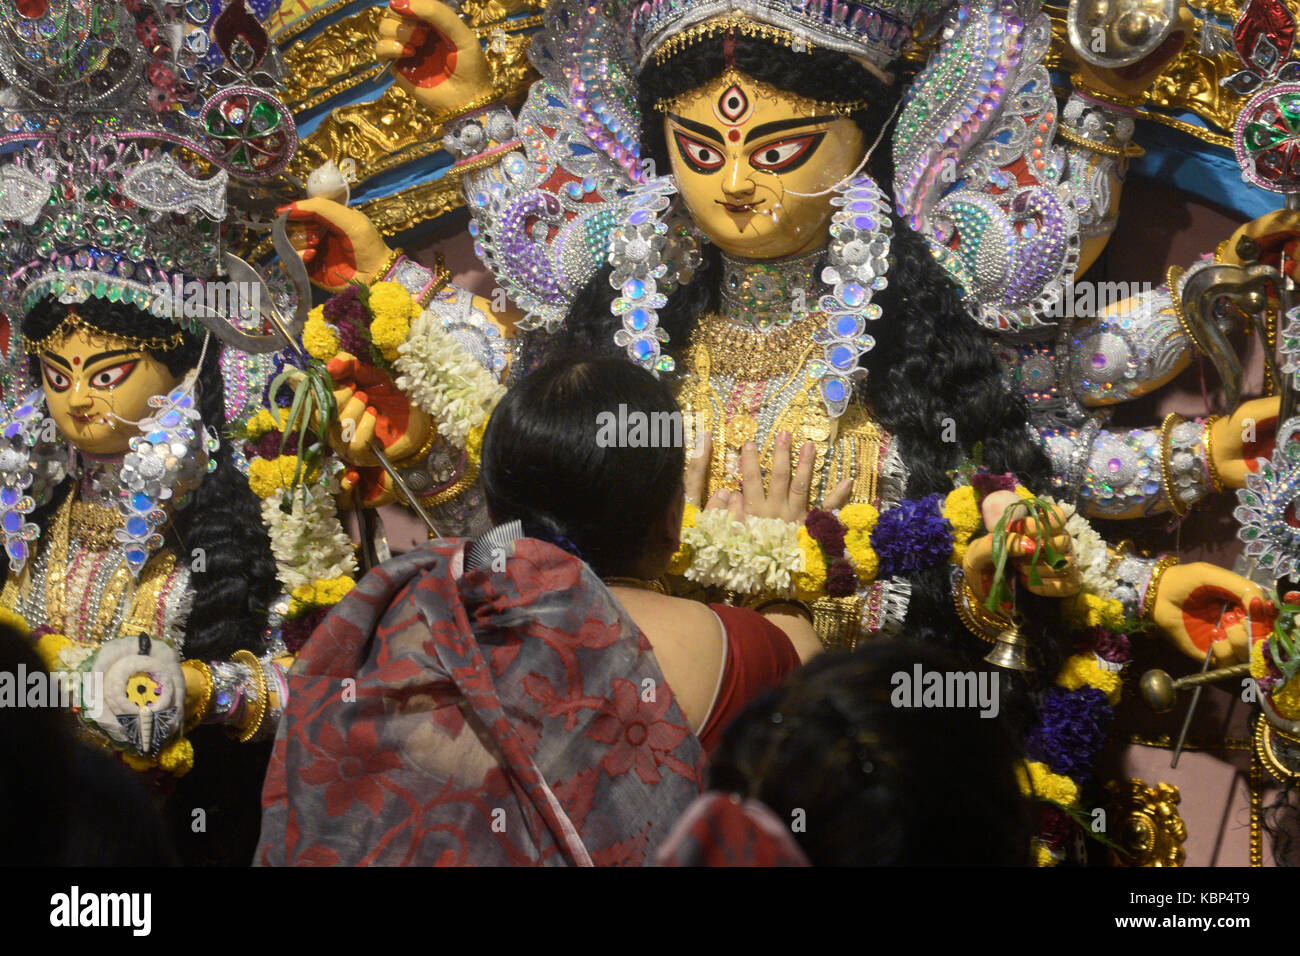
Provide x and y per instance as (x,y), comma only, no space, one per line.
(758,656)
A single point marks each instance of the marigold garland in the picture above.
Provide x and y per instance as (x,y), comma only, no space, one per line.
(319,339)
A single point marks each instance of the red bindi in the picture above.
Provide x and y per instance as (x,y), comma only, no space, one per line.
(733,135)
(76,360)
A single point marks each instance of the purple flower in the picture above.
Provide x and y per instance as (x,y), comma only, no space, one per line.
(841,580)
(912,536)
(1071,730)
(353,340)
(1107,645)
(295,632)
(985,483)
(346,308)
(827,531)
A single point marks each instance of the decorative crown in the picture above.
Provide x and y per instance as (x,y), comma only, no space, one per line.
(130,121)
(877,32)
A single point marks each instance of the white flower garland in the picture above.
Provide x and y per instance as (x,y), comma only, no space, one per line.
(309,543)
(440,378)
(1091,555)
(757,555)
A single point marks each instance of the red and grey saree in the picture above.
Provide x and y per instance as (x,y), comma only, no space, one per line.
(513,717)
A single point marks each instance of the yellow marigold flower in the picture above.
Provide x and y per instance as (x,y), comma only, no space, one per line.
(387,333)
(1024,492)
(681,559)
(1043,856)
(15,621)
(390,301)
(1089,610)
(963,513)
(864,557)
(264,422)
(1036,780)
(810,583)
(320,341)
(859,517)
(273,476)
(139,763)
(323,593)
(177,757)
(1082,670)
(1258,666)
(474,443)
(50,649)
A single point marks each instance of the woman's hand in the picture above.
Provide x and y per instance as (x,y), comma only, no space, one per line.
(337,244)
(1201,606)
(1023,554)
(1240,440)
(436,57)
(786,496)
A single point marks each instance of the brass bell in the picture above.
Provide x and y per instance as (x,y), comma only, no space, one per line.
(1009,650)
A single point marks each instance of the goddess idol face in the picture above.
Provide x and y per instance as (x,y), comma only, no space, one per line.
(742,151)
(92,381)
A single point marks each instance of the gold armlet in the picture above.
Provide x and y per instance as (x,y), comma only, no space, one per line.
(767,602)
(421,453)
(978,619)
(1166,478)
(249,660)
(1129,150)
(1149,598)
(1081,87)
(205,703)
(1216,479)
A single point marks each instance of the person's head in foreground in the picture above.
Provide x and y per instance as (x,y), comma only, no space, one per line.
(828,770)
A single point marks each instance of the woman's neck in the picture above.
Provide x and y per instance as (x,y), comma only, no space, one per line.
(769,293)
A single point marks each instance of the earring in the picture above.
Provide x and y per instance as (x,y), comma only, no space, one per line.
(636,252)
(857,264)
(166,461)
(29,468)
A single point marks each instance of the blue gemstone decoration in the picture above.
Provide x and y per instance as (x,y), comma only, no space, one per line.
(135,555)
(638,217)
(643,349)
(8,497)
(846,325)
(842,356)
(23,411)
(854,294)
(834,390)
(638,320)
(13,430)
(634,289)
(141,502)
(170,420)
(17,550)
(156,438)
(137,527)
(13,521)
(864,222)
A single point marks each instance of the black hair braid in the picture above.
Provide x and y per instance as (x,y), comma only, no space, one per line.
(223,519)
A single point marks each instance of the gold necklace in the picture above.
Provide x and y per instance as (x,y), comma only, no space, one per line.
(753,354)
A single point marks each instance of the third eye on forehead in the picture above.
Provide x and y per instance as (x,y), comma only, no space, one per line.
(95,359)
(754,132)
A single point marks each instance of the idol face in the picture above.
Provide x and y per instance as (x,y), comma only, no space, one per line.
(741,150)
(92,380)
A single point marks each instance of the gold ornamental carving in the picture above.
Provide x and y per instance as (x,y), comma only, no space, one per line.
(1150,827)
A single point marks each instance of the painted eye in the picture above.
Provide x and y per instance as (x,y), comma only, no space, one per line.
(785,155)
(699,156)
(112,376)
(56,380)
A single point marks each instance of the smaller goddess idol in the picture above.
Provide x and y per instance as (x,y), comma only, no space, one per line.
(134,550)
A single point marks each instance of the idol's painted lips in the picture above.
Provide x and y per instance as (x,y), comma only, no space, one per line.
(743,207)
(87,419)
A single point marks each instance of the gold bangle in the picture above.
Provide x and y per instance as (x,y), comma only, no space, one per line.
(1083,89)
(1216,479)
(205,704)
(1130,150)
(759,602)
(383,270)
(420,453)
(1166,477)
(487,99)
(980,621)
(249,660)
(1149,598)
(1171,279)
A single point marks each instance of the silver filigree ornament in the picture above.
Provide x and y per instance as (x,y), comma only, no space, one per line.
(23,194)
(636,256)
(160,184)
(167,460)
(1289,346)
(1267,506)
(18,439)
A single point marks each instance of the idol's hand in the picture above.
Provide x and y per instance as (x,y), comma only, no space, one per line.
(1241,440)
(436,57)
(337,244)
(1023,553)
(1276,241)
(366,488)
(1133,80)
(371,406)
(1201,606)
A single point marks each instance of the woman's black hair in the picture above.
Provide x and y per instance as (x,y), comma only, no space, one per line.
(586,450)
(872,783)
(933,381)
(222,523)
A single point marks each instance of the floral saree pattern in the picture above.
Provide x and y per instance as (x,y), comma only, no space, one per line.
(513,717)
